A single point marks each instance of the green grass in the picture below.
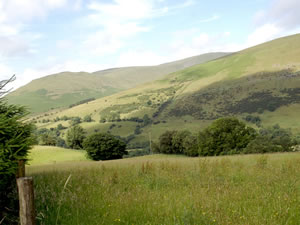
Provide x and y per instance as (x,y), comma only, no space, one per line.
(66,88)
(51,155)
(159,189)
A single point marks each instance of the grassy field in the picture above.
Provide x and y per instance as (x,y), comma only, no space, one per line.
(160,189)
(50,155)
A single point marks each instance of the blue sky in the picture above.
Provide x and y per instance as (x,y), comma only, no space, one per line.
(42,37)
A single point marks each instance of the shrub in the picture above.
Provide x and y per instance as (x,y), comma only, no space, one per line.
(225,136)
(75,120)
(262,144)
(15,141)
(165,142)
(103,146)
(87,118)
(178,140)
(190,146)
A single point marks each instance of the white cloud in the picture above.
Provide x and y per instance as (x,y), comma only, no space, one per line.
(5,72)
(263,33)
(285,13)
(210,19)
(281,19)
(192,41)
(13,46)
(117,22)
(14,16)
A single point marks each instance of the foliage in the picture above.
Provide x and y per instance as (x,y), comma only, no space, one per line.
(165,142)
(178,140)
(225,136)
(15,141)
(103,146)
(87,118)
(253,119)
(190,145)
(272,139)
(75,137)
(75,120)
(261,144)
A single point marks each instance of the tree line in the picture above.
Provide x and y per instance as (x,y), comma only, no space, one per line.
(226,136)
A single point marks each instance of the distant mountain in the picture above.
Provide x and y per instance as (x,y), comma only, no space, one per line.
(66,88)
(260,85)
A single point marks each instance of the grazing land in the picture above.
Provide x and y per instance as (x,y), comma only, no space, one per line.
(51,155)
(162,189)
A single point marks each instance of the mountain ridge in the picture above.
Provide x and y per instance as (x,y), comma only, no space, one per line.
(66,88)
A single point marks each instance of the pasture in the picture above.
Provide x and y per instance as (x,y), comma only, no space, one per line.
(39,155)
(162,189)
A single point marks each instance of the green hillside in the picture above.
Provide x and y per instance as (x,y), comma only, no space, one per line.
(262,81)
(64,89)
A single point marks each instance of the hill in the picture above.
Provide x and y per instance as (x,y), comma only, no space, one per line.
(261,82)
(67,88)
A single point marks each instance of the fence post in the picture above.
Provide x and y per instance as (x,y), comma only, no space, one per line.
(21,168)
(26,200)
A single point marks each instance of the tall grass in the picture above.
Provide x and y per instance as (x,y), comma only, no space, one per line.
(252,189)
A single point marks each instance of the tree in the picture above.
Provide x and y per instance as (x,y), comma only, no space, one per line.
(225,136)
(87,118)
(178,140)
(103,146)
(75,120)
(190,146)
(75,137)
(165,144)
(15,141)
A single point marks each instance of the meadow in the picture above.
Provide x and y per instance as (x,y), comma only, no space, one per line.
(40,155)
(163,189)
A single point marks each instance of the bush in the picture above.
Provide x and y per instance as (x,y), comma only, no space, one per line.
(272,139)
(261,144)
(225,136)
(165,142)
(75,137)
(190,146)
(103,146)
(87,118)
(178,140)
(15,141)
(75,120)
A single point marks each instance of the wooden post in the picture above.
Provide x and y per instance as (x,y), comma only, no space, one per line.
(26,200)
(21,169)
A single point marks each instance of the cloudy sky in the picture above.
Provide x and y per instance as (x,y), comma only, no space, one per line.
(41,37)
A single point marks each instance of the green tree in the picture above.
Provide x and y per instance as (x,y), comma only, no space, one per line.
(190,145)
(225,136)
(15,141)
(178,140)
(75,137)
(87,118)
(75,120)
(103,146)
(165,142)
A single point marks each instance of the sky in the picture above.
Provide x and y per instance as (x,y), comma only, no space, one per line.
(42,37)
